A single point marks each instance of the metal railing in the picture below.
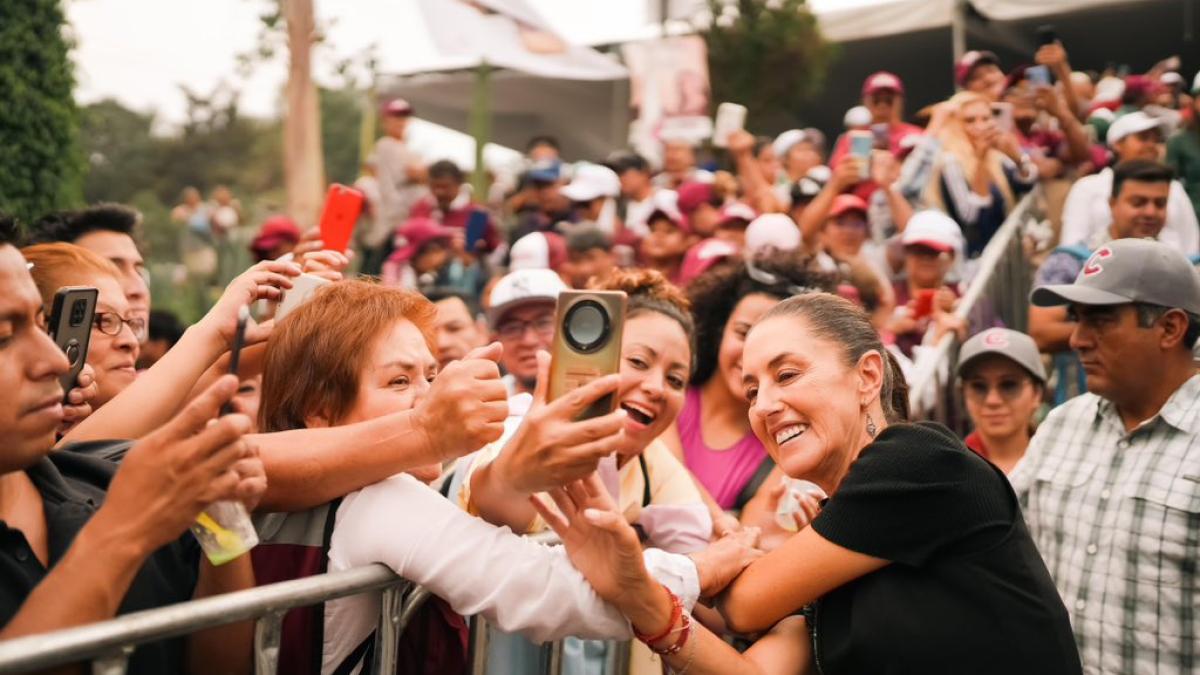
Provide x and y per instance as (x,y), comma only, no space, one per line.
(109,644)
(1001,284)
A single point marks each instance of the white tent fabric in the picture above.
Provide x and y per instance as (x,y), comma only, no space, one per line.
(512,37)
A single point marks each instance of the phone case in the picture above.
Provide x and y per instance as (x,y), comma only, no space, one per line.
(576,362)
(302,289)
(70,326)
(476,229)
(343,205)
(731,117)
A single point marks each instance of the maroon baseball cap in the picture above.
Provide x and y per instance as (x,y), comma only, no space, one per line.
(692,195)
(969,62)
(397,107)
(882,81)
(846,203)
(416,233)
(275,230)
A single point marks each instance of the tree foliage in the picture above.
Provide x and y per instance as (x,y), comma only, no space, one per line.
(40,165)
(768,55)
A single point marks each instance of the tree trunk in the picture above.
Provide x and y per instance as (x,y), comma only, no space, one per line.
(303,157)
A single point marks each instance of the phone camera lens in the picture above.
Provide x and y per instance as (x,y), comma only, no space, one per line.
(72,352)
(587,326)
(77,310)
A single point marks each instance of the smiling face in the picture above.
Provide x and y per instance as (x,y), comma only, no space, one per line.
(729,358)
(523,331)
(113,357)
(977,119)
(806,405)
(655,362)
(30,365)
(1001,397)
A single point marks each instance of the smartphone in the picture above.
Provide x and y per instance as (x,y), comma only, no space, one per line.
(587,344)
(303,288)
(730,118)
(476,229)
(1038,76)
(924,304)
(343,205)
(883,136)
(1003,112)
(70,326)
(861,145)
(235,353)
(1046,35)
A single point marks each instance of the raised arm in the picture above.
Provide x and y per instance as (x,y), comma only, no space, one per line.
(157,394)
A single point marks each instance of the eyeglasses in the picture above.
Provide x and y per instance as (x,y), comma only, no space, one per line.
(1009,390)
(110,324)
(514,330)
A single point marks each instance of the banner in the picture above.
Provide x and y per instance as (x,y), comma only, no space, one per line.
(668,92)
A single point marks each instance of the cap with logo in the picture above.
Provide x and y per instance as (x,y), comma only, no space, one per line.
(592,181)
(1130,124)
(1017,347)
(935,230)
(882,81)
(523,287)
(538,250)
(969,62)
(1129,270)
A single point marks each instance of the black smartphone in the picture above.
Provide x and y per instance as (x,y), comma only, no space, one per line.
(476,229)
(70,326)
(235,353)
(1046,35)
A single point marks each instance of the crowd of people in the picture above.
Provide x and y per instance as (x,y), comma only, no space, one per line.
(777,296)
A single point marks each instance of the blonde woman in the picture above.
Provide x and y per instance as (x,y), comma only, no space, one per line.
(978,167)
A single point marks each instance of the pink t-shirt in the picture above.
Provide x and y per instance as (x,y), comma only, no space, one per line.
(725,472)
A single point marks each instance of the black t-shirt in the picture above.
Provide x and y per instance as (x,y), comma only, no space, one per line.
(967,591)
(72,486)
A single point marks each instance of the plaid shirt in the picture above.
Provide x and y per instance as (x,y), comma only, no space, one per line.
(1116,517)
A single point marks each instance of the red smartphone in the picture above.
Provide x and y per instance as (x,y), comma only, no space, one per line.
(924,306)
(343,205)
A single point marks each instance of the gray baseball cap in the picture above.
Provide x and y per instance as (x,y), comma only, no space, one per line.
(1017,347)
(1129,270)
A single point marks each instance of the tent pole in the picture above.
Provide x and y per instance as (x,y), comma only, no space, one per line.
(958,28)
(481,127)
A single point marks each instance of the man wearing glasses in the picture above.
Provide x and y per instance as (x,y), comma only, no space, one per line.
(521,316)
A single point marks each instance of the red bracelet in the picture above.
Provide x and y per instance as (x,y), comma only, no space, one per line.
(676,611)
(686,630)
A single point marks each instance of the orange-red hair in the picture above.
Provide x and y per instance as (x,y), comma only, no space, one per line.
(58,264)
(316,355)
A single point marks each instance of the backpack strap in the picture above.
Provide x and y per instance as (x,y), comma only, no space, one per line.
(756,481)
(318,643)
(1077,251)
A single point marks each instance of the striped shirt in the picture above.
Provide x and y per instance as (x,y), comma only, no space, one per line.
(1116,517)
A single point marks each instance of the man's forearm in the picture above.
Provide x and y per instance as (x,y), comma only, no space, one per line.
(309,467)
(156,395)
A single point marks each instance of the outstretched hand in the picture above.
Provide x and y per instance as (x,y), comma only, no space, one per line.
(264,281)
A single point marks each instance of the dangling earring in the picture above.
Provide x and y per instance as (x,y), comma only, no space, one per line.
(871,428)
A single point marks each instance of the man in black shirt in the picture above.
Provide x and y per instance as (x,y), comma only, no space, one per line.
(81,541)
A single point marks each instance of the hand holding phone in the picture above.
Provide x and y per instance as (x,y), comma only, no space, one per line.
(477,224)
(343,205)
(923,303)
(861,145)
(587,344)
(730,118)
(70,326)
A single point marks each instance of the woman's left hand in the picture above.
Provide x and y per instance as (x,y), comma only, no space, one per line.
(78,403)
(724,560)
(600,544)
(265,281)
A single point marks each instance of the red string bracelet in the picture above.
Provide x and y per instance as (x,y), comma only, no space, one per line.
(676,612)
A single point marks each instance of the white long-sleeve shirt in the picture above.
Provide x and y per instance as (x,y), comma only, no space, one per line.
(1087,212)
(516,584)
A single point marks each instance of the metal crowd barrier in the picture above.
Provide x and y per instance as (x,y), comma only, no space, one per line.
(1001,284)
(109,644)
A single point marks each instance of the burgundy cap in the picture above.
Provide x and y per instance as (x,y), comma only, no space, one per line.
(883,80)
(968,63)
(397,107)
(416,233)
(274,231)
(692,195)
(703,256)
(845,203)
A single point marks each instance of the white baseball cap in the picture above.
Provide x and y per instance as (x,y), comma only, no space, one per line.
(771,231)
(523,287)
(1132,123)
(785,141)
(592,181)
(1196,83)
(935,230)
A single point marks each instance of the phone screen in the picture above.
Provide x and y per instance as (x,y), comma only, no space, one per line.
(476,229)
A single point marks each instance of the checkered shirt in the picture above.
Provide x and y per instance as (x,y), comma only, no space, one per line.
(1116,517)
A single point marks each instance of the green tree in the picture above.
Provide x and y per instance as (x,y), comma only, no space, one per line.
(40,165)
(768,55)
(122,156)
(341,118)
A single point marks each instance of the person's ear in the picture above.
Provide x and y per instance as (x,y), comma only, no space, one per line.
(872,369)
(1174,325)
